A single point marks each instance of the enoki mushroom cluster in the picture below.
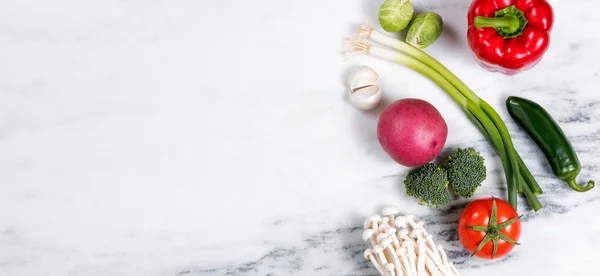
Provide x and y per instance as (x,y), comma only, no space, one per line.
(402,247)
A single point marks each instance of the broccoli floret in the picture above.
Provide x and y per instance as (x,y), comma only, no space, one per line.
(428,184)
(466,171)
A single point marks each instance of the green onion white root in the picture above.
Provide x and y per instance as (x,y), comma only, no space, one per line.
(402,247)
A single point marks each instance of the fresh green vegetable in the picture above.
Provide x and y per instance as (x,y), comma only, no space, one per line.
(428,184)
(546,133)
(466,171)
(531,188)
(477,110)
(425,29)
(394,15)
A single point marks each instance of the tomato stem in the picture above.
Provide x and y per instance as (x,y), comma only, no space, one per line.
(493,231)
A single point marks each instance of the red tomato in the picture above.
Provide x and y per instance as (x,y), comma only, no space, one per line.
(478,213)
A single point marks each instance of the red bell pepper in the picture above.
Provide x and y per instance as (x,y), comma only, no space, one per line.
(509,36)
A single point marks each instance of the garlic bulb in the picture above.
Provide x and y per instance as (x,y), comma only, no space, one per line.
(364,90)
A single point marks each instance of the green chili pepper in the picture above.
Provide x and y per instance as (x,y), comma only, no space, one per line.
(550,138)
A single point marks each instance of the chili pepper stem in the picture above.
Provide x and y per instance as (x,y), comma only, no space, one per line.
(509,21)
(573,184)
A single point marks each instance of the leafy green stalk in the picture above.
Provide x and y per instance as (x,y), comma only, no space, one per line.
(533,201)
(529,181)
(528,177)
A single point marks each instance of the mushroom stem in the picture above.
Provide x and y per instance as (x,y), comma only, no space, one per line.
(433,270)
(443,255)
(380,254)
(410,220)
(411,259)
(392,233)
(390,269)
(431,244)
(451,265)
(405,263)
(404,237)
(374,226)
(369,256)
(392,252)
(421,257)
(445,270)
(390,211)
(372,221)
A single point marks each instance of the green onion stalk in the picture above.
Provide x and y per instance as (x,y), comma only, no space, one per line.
(481,114)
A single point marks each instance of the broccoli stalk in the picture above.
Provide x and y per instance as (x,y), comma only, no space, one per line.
(428,184)
(466,171)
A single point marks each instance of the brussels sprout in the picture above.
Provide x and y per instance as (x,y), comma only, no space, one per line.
(425,29)
(394,15)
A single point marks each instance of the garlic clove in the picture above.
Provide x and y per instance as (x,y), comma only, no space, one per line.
(366,98)
(361,77)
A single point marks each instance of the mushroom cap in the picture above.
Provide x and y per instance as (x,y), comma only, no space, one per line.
(408,244)
(368,253)
(403,232)
(370,219)
(367,234)
(390,210)
(410,217)
(383,227)
(385,220)
(381,236)
(400,221)
(390,267)
(390,230)
(418,233)
(386,241)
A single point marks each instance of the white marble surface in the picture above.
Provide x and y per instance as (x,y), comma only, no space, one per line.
(157,137)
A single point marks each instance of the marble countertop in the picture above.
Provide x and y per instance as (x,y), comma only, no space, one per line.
(188,138)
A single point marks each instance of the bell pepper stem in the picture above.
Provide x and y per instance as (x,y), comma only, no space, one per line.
(573,184)
(509,21)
